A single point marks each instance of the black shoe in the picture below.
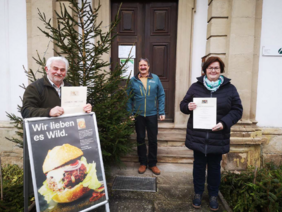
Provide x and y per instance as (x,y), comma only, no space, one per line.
(197,201)
(213,203)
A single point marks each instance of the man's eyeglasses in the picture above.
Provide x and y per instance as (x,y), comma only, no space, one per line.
(215,68)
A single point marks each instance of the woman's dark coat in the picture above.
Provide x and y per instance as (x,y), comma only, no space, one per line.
(229,111)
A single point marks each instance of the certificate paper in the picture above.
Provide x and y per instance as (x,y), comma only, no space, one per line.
(73,99)
(204,116)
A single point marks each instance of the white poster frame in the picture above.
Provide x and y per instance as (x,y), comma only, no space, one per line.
(27,131)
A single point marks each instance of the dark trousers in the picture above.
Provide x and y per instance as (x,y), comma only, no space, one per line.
(151,124)
(212,162)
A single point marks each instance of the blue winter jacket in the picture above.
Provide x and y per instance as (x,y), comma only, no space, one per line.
(144,101)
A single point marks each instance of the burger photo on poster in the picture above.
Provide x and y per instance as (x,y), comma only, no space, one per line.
(68,174)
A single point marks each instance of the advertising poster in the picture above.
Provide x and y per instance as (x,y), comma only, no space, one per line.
(66,163)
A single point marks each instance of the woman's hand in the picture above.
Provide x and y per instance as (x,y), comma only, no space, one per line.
(218,127)
(192,106)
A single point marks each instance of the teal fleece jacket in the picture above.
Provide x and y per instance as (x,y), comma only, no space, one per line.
(144,101)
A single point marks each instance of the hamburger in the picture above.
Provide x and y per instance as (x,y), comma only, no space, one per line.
(68,175)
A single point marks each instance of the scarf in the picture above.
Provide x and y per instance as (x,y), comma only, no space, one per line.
(213,86)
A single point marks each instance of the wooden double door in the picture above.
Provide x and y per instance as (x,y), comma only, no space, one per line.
(151,26)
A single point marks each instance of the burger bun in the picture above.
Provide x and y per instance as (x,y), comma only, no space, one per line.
(70,195)
(59,156)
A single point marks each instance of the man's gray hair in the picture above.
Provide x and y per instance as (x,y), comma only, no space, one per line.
(145,59)
(57,58)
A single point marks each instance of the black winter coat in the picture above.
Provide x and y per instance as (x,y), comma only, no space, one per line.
(229,112)
(39,98)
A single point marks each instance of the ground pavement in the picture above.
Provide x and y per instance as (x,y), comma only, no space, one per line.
(174,193)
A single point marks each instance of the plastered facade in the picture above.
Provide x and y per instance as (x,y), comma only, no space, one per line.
(233,33)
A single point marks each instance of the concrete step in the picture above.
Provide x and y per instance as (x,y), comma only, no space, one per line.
(180,155)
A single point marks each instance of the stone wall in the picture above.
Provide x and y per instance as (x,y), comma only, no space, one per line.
(272,148)
(10,153)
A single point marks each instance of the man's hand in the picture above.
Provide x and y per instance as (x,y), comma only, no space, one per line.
(162,117)
(132,118)
(87,108)
(56,111)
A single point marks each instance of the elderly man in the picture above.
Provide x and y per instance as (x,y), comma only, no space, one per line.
(42,97)
(145,90)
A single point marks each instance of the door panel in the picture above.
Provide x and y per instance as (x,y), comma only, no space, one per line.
(151,26)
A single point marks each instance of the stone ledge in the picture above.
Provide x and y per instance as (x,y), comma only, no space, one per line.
(247,141)
(6,124)
(271,131)
(12,160)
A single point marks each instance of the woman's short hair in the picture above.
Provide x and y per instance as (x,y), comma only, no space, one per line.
(57,58)
(211,60)
(145,59)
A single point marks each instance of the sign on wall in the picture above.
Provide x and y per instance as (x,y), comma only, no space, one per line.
(125,51)
(272,50)
(129,68)
(66,163)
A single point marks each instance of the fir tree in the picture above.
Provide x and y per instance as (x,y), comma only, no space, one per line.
(73,36)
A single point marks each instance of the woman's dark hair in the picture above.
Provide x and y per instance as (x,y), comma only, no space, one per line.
(145,59)
(211,60)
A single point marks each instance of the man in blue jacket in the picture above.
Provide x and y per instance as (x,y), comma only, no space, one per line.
(146,91)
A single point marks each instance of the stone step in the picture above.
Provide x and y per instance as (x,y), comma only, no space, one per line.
(162,159)
(166,136)
(180,155)
(164,167)
(179,151)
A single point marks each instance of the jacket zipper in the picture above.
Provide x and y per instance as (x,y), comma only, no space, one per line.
(149,90)
(206,146)
(141,91)
(145,94)
(207,138)
(145,104)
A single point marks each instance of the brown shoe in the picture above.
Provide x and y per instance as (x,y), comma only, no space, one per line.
(142,169)
(155,170)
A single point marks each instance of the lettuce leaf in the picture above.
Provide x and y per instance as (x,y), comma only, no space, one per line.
(46,192)
(91,181)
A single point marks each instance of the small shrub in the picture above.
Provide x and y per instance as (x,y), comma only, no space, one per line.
(254,190)
(13,199)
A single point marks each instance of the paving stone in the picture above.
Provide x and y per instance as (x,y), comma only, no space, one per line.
(174,193)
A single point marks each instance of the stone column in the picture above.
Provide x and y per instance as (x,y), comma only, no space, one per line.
(36,40)
(104,15)
(183,58)
(234,35)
